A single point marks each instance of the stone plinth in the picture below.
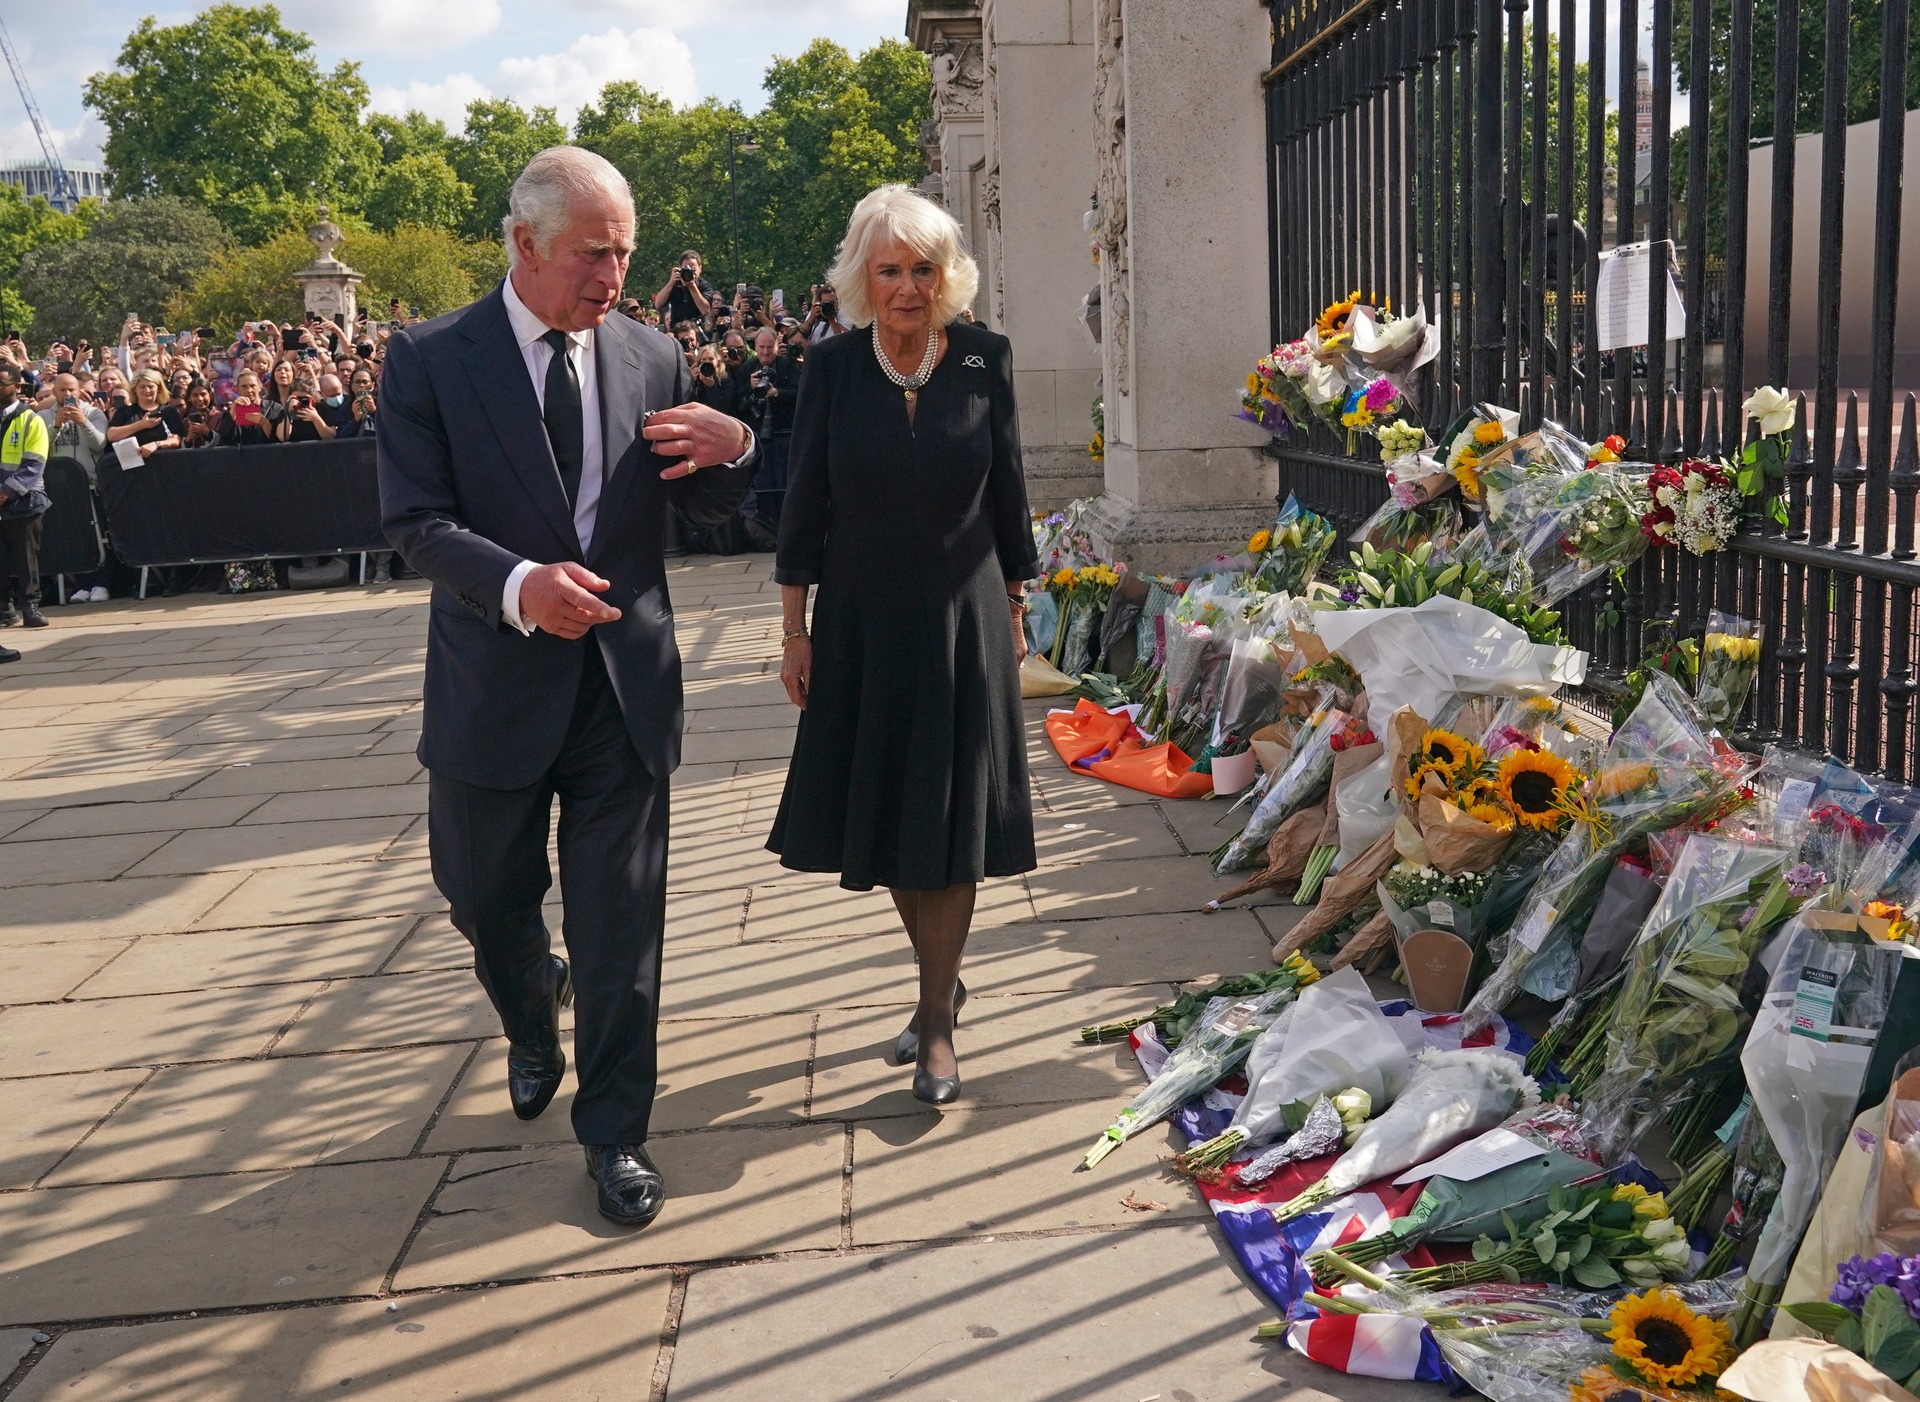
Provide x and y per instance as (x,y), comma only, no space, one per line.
(1181,144)
(329,285)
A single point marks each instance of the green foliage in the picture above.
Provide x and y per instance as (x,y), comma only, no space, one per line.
(623,102)
(27,225)
(420,188)
(425,267)
(415,134)
(231,110)
(135,257)
(499,139)
(1396,579)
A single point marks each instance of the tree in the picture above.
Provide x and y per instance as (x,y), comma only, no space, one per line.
(500,138)
(136,257)
(231,110)
(420,188)
(622,102)
(27,225)
(428,268)
(411,135)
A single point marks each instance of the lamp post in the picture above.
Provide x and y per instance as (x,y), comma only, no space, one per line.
(743,141)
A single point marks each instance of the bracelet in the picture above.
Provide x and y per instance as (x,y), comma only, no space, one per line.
(1019,601)
(792,635)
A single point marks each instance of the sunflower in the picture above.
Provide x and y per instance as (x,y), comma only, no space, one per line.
(1535,785)
(1261,540)
(1603,1385)
(1619,780)
(1490,433)
(1254,384)
(1417,780)
(1492,814)
(1455,753)
(1466,471)
(1333,321)
(1664,1341)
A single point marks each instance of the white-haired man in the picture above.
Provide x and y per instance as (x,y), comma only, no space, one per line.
(515,473)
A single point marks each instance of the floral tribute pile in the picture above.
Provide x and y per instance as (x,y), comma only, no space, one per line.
(1656,1040)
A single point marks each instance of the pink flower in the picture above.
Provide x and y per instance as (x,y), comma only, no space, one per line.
(1381,394)
(1406,495)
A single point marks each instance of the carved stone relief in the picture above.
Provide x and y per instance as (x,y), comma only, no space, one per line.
(1110,113)
(958,75)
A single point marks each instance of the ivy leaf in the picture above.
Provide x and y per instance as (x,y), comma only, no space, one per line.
(1779,512)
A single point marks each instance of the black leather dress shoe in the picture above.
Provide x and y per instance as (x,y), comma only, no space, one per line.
(632,1191)
(32,617)
(8,654)
(535,1069)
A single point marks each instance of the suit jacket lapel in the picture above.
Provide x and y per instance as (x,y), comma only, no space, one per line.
(499,375)
(623,402)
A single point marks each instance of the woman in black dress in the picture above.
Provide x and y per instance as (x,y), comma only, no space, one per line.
(907,507)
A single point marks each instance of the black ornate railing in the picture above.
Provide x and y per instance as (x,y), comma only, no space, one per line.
(1462,156)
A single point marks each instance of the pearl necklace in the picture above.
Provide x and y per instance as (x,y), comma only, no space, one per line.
(910,385)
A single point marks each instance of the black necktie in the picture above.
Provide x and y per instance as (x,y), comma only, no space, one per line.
(562,413)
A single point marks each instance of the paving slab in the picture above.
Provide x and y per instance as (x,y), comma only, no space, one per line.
(74,858)
(309,775)
(45,1039)
(575,1339)
(206,1243)
(43,1118)
(278,1113)
(392,1010)
(971,1171)
(731,1193)
(732,1072)
(104,819)
(804,906)
(102,909)
(709,747)
(392,800)
(1123,1315)
(325,893)
(1107,835)
(257,846)
(1013,1051)
(1157,885)
(1203,823)
(41,973)
(227,958)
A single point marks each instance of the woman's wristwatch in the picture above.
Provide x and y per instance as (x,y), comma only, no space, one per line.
(1019,603)
(792,635)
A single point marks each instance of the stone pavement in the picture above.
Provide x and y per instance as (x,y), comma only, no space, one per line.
(254,1136)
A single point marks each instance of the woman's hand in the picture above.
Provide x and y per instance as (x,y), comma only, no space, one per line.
(147,450)
(1019,634)
(796,669)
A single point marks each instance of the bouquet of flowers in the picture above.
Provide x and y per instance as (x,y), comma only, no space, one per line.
(1308,771)
(1082,595)
(1291,554)
(1452,1097)
(1173,1022)
(1399,439)
(1728,663)
(1679,1014)
(1695,506)
(1659,771)
(1393,579)
(1873,1312)
(1470,438)
(1364,405)
(1603,509)
(1217,1047)
(1272,396)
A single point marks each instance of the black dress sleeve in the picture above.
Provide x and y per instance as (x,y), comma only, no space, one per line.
(1007,478)
(803,516)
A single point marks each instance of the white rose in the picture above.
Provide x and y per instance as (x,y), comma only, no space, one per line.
(1673,1255)
(1773,409)
(1660,1229)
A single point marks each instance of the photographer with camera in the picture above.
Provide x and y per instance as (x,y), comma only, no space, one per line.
(823,314)
(77,429)
(686,296)
(304,422)
(245,422)
(363,407)
(772,389)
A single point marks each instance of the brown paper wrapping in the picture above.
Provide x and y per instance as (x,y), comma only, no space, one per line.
(1403,741)
(1896,1208)
(1340,896)
(1272,747)
(1287,853)
(1458,843)
(1312,651)
(1375,935)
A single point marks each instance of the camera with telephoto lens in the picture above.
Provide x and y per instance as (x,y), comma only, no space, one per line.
(686,272)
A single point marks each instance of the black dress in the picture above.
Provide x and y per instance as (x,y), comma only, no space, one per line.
(909,767)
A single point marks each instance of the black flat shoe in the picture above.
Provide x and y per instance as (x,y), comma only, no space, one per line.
(632,1192)
(906,1047)
(534,1071)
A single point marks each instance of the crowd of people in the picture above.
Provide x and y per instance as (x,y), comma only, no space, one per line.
(317,379)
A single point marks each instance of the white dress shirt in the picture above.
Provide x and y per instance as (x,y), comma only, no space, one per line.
(528,331)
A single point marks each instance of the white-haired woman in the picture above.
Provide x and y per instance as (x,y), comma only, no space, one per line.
(907,507)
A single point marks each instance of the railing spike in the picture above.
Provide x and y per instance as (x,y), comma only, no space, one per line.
(1710,425)
(1670,449)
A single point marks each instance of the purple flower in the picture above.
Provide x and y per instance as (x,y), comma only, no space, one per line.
(1804,880)
(1857,1277)
(1907,1283)
(1348,596)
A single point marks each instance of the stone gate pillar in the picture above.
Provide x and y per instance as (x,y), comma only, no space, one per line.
(1181,151)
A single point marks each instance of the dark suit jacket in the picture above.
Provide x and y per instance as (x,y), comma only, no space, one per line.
(468,489)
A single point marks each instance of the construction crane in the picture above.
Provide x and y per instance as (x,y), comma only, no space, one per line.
(62,197)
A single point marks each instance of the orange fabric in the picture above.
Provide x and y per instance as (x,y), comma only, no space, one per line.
(1088,730)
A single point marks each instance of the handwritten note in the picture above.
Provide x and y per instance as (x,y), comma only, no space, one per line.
(1623,297)
(1476,1158)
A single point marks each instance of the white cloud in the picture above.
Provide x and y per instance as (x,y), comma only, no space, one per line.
(686,14)
(655,58)
(446,99)
(358,27)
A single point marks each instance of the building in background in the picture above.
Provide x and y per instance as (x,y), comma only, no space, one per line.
(36,178)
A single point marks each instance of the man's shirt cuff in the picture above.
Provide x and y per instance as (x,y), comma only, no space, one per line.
(510,597)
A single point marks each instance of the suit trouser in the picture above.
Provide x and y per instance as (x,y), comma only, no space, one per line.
(20,557)
(489,851)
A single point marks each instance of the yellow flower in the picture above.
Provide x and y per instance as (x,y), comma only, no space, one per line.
(1651,1206)
(1357,417)
(1535,785)
(1418,778)
(1333,321)
(1492,814)
(1456,754)
(1062,579)
(1254,384)
(1261,540)
(1466,471)
(1665,1342)
(1629,1192)
(1619,780)
(1490,433)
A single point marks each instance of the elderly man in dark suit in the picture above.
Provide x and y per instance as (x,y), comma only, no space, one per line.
(530,451)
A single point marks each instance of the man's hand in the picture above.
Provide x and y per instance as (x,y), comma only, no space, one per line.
(556,598)
(697,435)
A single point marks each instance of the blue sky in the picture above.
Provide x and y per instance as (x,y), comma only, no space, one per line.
(440,54)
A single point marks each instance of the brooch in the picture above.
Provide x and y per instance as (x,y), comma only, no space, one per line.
(974,362)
